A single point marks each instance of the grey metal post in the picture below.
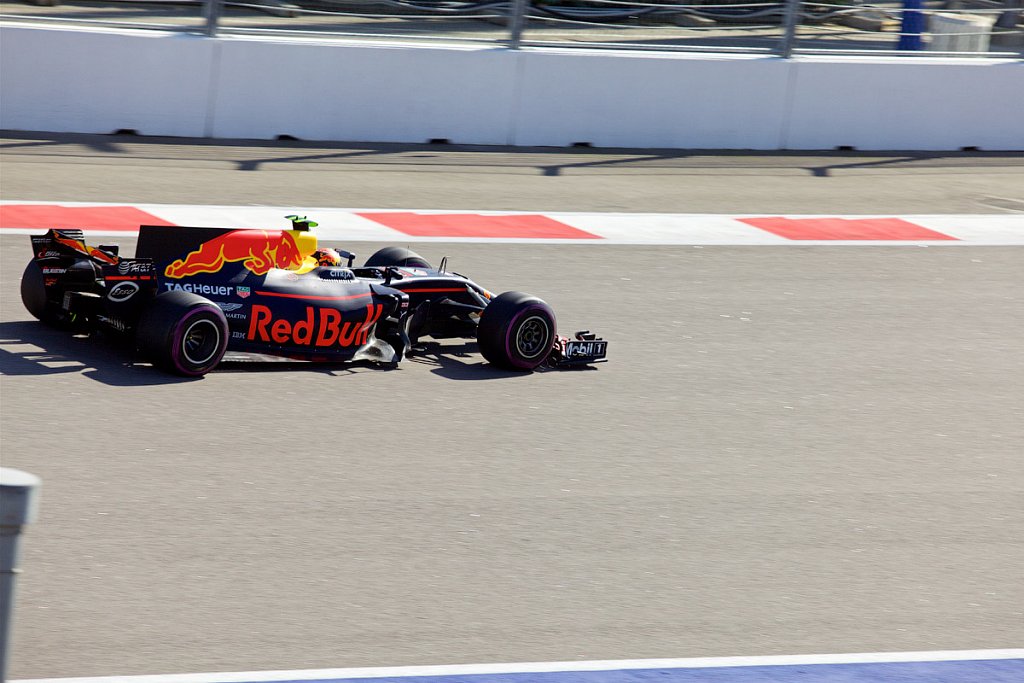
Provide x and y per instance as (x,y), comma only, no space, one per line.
(517,21)
(212,16)
(791,19)
(18,502)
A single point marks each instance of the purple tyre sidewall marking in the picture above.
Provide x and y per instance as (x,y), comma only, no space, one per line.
(178,338)
(514,358)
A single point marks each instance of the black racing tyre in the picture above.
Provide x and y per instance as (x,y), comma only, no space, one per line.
(33,295)
(516,331)
(183,333)
(396,256)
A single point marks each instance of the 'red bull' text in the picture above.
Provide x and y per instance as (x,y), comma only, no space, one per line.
(321,327)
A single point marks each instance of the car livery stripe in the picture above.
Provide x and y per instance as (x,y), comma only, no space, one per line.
(287,295)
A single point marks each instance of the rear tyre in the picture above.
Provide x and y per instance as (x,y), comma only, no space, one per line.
(516,331)
(396,256)
(183,333)
(33,292)
(33,295)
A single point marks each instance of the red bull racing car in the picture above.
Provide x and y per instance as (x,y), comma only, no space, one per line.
(192,294)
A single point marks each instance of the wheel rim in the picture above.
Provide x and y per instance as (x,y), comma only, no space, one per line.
(533,337)
(200,342)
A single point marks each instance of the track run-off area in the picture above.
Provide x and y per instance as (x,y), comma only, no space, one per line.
(806,440)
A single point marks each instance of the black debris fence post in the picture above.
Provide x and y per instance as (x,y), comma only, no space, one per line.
(517,21)
(213,8)
(18,503)
(790,20)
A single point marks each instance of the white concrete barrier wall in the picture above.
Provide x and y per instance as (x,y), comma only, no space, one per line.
(642,99)
(97,82)
(317,91)
(100,81)
(907,104)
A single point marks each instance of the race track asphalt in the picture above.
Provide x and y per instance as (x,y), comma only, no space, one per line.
(792,450)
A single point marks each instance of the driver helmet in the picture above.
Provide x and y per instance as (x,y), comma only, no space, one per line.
(326,256)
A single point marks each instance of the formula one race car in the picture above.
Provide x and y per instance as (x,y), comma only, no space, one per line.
(191,294)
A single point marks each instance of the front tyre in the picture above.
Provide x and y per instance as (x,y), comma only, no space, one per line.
(516,331)
(183,333)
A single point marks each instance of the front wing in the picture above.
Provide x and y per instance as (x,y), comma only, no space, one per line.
(585,349)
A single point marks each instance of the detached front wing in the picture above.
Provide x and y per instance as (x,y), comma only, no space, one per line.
(585,349)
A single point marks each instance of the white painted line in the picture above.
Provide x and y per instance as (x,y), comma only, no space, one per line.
(550,667)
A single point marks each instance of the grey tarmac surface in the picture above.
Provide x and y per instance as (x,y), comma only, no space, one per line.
(308,174)
(792,450)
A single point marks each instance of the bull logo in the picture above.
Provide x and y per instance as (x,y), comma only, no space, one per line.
(259,251)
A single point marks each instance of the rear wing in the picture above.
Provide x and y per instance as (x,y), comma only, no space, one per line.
(70,243)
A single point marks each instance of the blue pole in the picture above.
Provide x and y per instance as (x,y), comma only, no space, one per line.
(911,26)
